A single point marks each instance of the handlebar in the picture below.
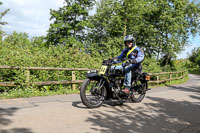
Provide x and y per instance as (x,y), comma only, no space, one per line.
(110,62)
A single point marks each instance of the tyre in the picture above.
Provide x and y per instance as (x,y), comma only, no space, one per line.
(139,91)
(93,93)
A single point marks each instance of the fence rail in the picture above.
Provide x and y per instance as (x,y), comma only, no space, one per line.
(156,78)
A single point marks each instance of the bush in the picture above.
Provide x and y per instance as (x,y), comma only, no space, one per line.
(150,65)
(17,50)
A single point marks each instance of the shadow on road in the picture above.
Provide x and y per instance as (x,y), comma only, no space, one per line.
(159,116)
(4,113)
(16,130)
(195,89)
(5,121)
(78,104)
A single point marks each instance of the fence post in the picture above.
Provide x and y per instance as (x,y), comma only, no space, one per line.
(178,75)
(157,79)
(27,75)
(170,78)
(73,78)
(183,74)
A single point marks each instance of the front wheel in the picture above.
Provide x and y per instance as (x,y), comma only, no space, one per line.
(93,92)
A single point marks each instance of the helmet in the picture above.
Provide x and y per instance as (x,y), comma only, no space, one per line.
(129,38)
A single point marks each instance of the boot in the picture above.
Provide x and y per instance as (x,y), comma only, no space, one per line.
(126,90)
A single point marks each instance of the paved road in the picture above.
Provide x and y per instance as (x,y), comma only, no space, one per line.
(173,109)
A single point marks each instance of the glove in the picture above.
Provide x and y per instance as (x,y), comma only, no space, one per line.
(127,63)
(114,60)
(105,61)
(134,61)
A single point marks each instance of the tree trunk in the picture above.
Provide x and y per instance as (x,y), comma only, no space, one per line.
(125,27)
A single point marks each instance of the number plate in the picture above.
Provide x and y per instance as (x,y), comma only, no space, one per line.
(103,70)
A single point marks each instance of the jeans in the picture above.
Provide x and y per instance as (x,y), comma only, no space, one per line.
(128,73)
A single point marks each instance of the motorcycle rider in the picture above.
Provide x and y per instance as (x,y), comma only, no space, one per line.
(134,55)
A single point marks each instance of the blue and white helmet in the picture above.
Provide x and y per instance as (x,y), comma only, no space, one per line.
(129,38)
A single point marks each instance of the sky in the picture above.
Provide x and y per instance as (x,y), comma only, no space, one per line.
(194,42)
(32,17)
(29,16)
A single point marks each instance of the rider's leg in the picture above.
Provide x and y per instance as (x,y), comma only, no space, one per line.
(127,79)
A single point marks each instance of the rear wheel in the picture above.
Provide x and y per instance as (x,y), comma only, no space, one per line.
(93,93)
(139,91)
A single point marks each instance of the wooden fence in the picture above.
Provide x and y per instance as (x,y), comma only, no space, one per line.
(163,77)
(156,78)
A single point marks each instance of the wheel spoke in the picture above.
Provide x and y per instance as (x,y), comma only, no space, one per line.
(95,92)
(138,94)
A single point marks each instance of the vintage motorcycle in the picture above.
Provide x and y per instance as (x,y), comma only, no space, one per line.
(107,83)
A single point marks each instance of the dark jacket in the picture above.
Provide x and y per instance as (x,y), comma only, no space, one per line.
(137,54)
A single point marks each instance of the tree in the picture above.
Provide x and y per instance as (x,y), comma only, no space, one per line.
(39,41)
(3,14)
(106,35)
(162,27)
(195,56)
(174,22)
(17,40)
(70,23)
(1,22)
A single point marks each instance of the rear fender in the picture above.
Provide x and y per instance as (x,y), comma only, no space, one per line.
(145,76)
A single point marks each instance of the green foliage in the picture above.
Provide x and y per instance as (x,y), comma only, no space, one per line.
(17,40)
(180,64)
(193,70)
(150,65)
(77,40)
(1,35)
(70,23)
(195,56)
(110,49)
(18,50)
(2,23)
(39,41)
(3,13)
(162,27)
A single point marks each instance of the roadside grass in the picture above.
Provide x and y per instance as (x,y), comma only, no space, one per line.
(32,92)
(62,90)
(175,82)
(194,71)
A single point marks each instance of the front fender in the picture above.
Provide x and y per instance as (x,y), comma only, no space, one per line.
(95,76)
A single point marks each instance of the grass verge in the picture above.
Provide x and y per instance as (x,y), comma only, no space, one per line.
(32,92)
(175,82)
(60,90)
(194,71)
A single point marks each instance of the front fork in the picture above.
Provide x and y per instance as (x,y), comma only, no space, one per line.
(97,88)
